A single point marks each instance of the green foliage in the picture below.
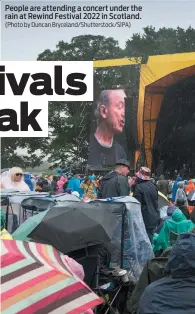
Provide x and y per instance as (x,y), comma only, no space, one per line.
(162,41)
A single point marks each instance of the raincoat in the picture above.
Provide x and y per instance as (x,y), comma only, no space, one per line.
(177,224)
(181,195)
(174,294)
(175,187)
(114,184)
(147,194)
(27,180)
(60,184)
(74,185)
(162,185)
(7,183)
(88,190)
(190,187)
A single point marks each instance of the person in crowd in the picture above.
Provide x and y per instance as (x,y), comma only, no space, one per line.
(174,293)
(39,186)
(98,183)
(162,185)
(74,184)
(115,183)
(33,180)
(181,204)
(54,185)
(65,186)
(132,182)
(46,186)
(180,194)
(175,175)
(88,186)
(14,179)
(110,116)
(4,234)
(60,184)
(82,178)
(175,187)
(37,178)
(27,180)
(93,179)
(190,187)
(170,211)
(170,189)
(178,224)
(146,193)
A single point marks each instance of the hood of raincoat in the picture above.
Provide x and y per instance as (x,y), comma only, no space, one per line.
(62,179)
(110,175)
(170,210)
(190,183)
(27,176)
(181,263)
(178,215)
(179,179)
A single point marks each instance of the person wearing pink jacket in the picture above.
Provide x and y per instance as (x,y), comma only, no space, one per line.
(60,184)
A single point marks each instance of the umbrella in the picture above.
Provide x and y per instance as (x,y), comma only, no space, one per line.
(35,278)
(162,200)
(75,226)
(191,196)
(66,197)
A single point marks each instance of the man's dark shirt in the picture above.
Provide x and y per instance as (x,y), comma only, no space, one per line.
(104,156)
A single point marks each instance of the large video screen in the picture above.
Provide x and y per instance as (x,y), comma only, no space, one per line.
(107,143)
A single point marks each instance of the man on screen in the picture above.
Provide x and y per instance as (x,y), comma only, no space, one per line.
(110,116)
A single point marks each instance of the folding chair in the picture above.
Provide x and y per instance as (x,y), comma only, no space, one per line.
(5,202)
(10,224)
(112,289)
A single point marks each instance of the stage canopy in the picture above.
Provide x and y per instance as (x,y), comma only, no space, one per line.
(156,76)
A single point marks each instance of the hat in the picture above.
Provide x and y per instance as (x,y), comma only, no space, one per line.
(144,173)
(123,162)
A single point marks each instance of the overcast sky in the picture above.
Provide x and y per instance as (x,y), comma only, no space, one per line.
(27,43)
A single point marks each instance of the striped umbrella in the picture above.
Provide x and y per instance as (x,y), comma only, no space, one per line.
(35,278)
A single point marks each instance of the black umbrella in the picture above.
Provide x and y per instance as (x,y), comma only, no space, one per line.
(75,226)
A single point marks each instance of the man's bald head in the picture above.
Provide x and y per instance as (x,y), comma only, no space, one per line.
(111,109)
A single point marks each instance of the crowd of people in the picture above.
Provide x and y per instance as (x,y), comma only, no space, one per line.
(143,186)
(178,218)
